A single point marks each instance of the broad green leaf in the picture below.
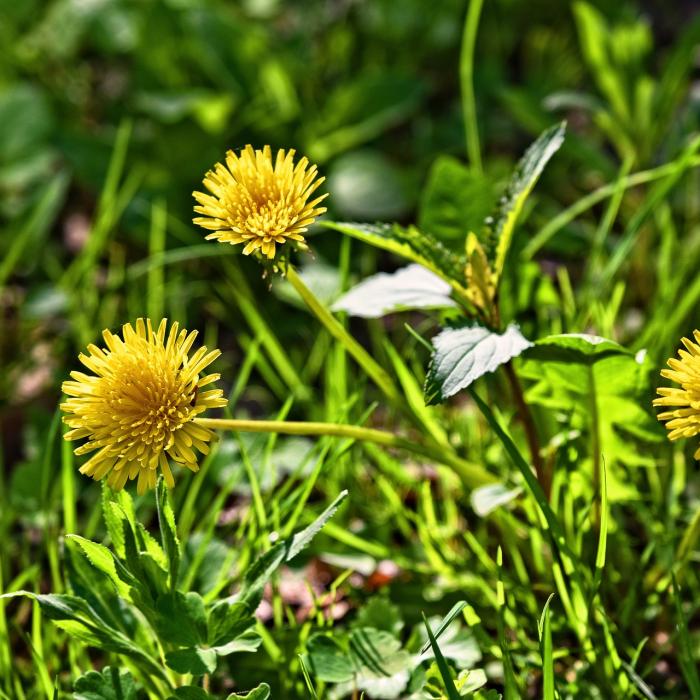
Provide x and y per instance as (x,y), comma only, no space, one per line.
(249,641)
(411,287)
(181,619)
(468,682)
(587,378)
(499,229)
(111,684)
(412,244)
(378,654)
(328,661)
(456,200)
(194,660)
(227,621)
(462,355)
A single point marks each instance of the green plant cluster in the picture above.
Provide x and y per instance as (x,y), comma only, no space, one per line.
(513,215)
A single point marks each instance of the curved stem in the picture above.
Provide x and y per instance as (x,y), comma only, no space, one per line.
(568,215)
(336,329)
(466,74)
(472,474)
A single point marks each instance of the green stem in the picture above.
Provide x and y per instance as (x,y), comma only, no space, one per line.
(472,474)
(336,329)
(466,75)
(590,200)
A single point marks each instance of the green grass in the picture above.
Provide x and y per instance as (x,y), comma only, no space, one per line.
(580,577)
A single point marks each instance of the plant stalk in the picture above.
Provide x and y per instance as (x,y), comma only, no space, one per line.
(336,329)
(543,474)
(472,474)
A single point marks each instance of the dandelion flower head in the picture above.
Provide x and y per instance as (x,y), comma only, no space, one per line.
(682,416)
(259,202)
(137,407)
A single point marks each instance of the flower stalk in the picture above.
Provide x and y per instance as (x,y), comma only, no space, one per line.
(376,373)
(472,474)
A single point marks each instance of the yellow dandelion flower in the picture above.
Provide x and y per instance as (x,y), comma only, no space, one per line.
(260,203)
(683,419)
(137,409)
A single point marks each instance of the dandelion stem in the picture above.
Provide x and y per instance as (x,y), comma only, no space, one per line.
(336,329)
(472,474)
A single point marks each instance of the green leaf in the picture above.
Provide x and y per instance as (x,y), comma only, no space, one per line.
(303,538)
(194,660)
(545,629)
(446,622)
(181,619)
(378,654)
(498,234)
(456,200)
(103,560)
(412,244)
(111,684)
(328,661)
(597,384)
(261,692)
(229,620)
(168,530)
(462,355)
(443,668)
(411,287)
(117,507)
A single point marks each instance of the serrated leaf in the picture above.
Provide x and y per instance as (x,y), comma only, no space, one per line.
(111,684)
(103,560)
(411,287)
(499,231)
(411,244)
(117,507)
(194,660)
(168,530)
(462,355)
(303,538)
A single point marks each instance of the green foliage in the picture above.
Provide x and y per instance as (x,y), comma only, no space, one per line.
(577,556)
